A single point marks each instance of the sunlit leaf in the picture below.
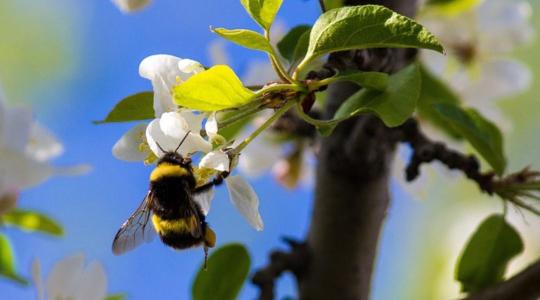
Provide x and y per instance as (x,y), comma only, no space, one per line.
(291,40)
(32,221)
(262,11)
(132,108)
(7,261)
(246,38)
(482,134)
(214,89)
(487,254)
(366,26)
(227,271)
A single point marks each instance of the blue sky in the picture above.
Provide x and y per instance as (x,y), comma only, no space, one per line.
(105,69)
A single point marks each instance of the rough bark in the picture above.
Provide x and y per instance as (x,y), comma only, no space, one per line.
(352,188)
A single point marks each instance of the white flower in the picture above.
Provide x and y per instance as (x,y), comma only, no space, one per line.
(168,131)
(70,279)
(25,148)
(169,127)
(165,72)
(478,43)
(241,194)
(129,6)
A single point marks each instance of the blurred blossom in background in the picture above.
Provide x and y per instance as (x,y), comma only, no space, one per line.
(73,60)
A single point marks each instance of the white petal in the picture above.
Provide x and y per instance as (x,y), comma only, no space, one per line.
(174,125)
(245,200)
(217,160)
(193,143)
(20,171)
(15,127)
(205,200)
(190,66)
(128,147)
(64,277)
(36,278)
(211,126)
(194,121)
(163,71)
(128,6)
(93,283)
(42,144)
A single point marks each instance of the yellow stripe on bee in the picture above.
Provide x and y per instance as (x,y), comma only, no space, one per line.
(166,169)
(173,226)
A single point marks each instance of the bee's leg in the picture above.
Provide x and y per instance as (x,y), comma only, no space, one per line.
(205,258)
(216,181)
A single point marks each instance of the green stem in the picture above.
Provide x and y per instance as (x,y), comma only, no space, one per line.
(265,125)
(312,121)
(239,116)
(278,87)
(300,67)
(278,67)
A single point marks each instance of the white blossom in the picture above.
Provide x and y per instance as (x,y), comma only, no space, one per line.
(25,148)
(479,43)
(168,131)
(129,6)
(170,125)
(71,279)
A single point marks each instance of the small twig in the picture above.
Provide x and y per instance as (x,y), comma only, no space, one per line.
(280,262)
(513,187)
(426,151)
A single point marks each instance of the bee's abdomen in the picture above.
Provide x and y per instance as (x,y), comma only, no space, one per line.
(176,233)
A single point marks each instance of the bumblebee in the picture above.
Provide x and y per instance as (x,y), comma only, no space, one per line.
(172,204)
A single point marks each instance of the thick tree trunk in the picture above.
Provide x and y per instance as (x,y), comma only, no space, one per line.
(352,188)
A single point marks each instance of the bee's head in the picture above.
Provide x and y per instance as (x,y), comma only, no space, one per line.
(173,157)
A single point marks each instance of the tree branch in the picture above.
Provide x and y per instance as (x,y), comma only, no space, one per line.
(280,262)
(523,286)
(351,191)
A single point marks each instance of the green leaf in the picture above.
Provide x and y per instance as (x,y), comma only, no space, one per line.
(32,221)
(435,91)
(371,80)
(483,135)
(287,45)
(486,256)
(7,261)
(262,11)
(394,106)
(452,7)
(228,268)
(366,26)
(118,296)
(132,108)
(214,89)
(231,131)
(245,38)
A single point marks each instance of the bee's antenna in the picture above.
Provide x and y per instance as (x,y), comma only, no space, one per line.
(182,141)
(160,148)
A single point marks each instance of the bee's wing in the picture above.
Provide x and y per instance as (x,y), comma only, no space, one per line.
(136,229)
(204,199)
